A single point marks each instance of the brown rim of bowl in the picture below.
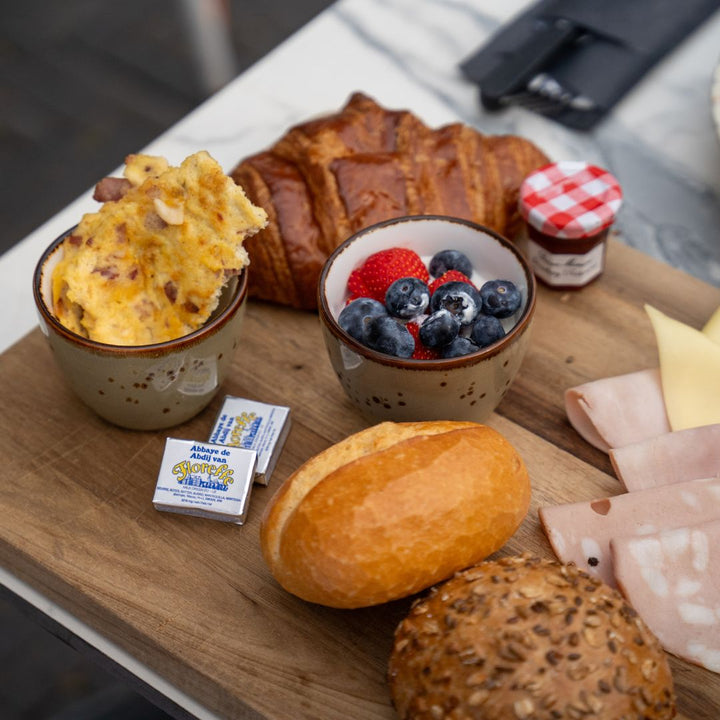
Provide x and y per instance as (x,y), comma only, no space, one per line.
(192,338)
(442,363)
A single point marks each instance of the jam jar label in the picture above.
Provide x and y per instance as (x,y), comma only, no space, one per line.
(563,268)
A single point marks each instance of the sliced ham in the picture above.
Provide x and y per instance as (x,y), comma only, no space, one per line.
(620,410)
(669,458)
(671,579)
(581,532)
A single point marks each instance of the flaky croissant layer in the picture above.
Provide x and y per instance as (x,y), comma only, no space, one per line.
(330,177)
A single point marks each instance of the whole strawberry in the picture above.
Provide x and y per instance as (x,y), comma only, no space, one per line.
(382,269)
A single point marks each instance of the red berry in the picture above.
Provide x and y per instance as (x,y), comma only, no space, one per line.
(382,269)
(449,276)
(422,352)
(356,285)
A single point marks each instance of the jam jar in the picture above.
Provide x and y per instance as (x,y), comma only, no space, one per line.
(568,207)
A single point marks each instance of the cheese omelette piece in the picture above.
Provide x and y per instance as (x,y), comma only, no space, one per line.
(150,266)
(689,370)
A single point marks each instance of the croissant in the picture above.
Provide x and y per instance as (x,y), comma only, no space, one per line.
(330,177)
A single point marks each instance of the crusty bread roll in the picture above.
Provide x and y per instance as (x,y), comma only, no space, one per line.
(394,509)
(522,638)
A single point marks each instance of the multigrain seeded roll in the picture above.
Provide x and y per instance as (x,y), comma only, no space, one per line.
(523,638)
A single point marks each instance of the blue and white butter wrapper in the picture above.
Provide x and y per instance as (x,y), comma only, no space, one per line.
(254,426)
(205,480)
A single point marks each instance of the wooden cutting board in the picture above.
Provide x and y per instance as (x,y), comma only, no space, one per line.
(193,599)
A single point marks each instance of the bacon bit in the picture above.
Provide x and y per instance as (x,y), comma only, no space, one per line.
(171,291)
(133,273)
(74,240)
(144,309)
(154,222)
(191,307)
(121,233)
(110,189)
(89,242)
(110,272)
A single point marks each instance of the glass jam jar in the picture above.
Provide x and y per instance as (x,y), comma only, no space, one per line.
(568,208)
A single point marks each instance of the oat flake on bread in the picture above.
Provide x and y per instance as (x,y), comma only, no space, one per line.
(149,266)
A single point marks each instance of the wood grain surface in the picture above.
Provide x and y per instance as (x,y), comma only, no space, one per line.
(193,599)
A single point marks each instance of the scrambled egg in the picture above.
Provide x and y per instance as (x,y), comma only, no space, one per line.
(150,266)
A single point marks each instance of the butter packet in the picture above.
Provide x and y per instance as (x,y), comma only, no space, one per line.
(254,426)
(205,480)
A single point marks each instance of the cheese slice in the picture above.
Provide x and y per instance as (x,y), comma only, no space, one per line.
(690,372)
(712,327)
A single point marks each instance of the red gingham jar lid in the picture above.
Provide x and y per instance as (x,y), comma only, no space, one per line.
(570,199)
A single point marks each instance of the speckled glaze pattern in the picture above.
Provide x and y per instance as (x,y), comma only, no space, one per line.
(466,388)
(148,387)
(467,392)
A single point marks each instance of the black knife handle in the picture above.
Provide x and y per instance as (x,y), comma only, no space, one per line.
(527,60)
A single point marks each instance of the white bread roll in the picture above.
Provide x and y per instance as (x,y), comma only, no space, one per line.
(394,509)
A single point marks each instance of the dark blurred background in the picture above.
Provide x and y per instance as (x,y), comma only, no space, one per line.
(82,84)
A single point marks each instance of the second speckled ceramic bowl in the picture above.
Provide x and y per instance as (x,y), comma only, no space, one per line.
(465,388)
(145,387)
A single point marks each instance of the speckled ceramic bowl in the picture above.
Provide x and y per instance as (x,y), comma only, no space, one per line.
(145,387)
(465,388)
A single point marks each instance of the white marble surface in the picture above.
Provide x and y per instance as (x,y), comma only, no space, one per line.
(660,140)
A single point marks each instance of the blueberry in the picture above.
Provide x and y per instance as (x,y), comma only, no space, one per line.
(357,316)
(407,298)
(458,347)
(460,298)
(486,330)
(500,298)
(446,260)
(387,335)
(440,329)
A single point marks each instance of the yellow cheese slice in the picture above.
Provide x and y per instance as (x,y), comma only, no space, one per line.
(689,370)
(712,327)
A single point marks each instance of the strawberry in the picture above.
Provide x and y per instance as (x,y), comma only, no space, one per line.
(449,276)
(422,352)
(382,269)
(356,286)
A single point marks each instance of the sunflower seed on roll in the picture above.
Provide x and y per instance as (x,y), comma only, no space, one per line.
(524,638)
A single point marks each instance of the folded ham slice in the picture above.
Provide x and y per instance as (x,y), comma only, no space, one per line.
(581,532)
(670,578)
(669,458)
(616,411)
